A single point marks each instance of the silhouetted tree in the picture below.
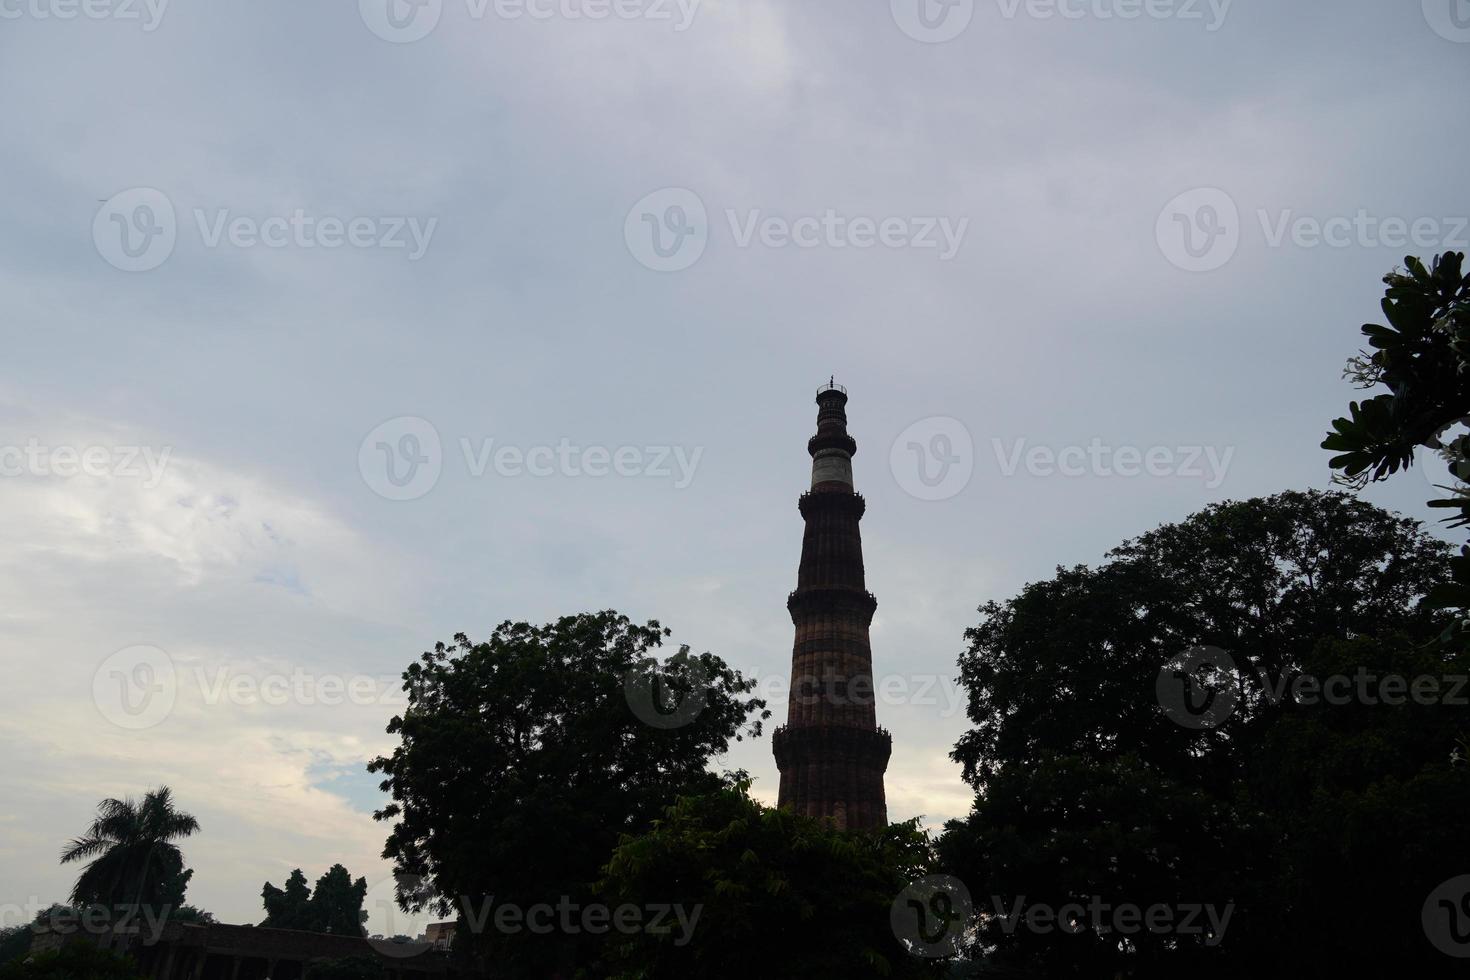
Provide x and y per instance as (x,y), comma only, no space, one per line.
(1322,826)
(15,941)
(762,892)
(133,857)
(337,902)
(334,906)
(1422,356)
(74,961)
(289,908)
(351,968)
(521,761)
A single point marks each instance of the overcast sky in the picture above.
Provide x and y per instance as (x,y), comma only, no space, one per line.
(321,318)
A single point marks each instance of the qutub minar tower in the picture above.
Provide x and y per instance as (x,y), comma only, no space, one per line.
(831,752)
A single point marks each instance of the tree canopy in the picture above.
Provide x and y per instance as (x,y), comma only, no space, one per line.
(334,906)
(522,759)
(1422,356)
(74,961)
(1306,818)
(133,855)
(774,892)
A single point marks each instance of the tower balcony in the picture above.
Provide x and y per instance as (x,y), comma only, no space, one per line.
(830,599)
(831,746)
(831,501)
(831,440)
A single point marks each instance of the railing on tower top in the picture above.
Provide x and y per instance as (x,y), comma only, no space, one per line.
(832,386)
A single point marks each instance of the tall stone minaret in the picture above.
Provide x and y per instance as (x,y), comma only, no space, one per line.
(831,752)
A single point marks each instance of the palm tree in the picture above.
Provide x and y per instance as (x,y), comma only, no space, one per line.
(131,847)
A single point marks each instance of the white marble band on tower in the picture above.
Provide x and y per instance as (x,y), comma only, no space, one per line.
(831,466)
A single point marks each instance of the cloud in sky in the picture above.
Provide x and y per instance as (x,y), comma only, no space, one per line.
(1063,320)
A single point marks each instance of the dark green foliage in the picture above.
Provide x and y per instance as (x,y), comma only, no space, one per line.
(521,762)
(15,942)
(1070,664)
(289,907)
(1423,358)
(351,968)
(337,901)
(74,961)
(334,906)
(775,894)
(1420,357)
(1322,823)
